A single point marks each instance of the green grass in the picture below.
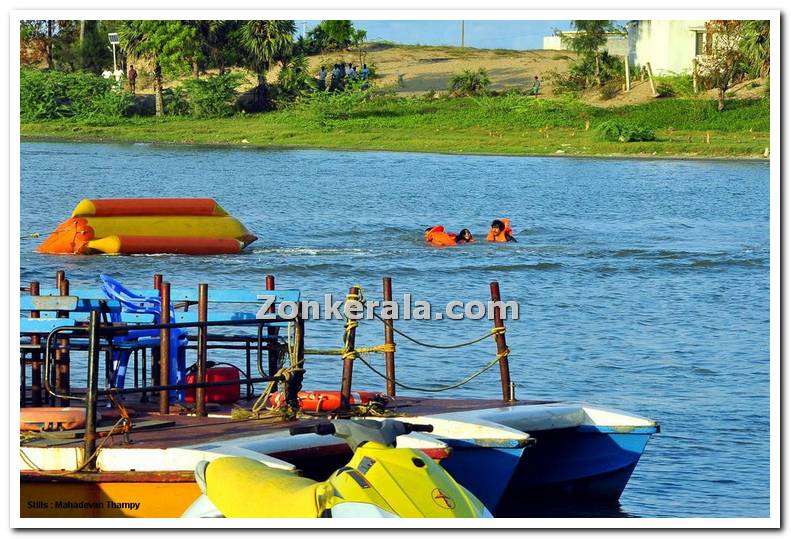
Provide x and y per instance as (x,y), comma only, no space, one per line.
(510,124)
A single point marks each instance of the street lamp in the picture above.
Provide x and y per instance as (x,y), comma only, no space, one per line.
(113,37)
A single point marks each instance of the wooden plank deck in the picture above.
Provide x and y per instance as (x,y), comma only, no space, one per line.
(183,430)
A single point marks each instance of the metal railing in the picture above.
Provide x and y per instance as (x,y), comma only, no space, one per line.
(96,332)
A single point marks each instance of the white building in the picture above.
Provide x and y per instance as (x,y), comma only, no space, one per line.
(616,43)
(669,46)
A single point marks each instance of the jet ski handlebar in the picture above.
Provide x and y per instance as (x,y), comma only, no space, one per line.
(392,427)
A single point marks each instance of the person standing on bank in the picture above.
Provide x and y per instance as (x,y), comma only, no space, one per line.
(132,76)
(322,79)
(536,86)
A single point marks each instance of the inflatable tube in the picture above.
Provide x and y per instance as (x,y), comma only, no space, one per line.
(146,245)
(147,206)
(51,418)
(326,401)
(179,226)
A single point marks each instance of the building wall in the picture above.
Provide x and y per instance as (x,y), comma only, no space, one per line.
(668,45)
(616,45)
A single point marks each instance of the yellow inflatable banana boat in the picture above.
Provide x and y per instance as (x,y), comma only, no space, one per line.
(195,226)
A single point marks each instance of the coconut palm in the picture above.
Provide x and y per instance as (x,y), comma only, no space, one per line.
(266,42)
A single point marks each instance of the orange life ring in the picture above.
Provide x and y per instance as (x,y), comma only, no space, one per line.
(51,418)
(326,401)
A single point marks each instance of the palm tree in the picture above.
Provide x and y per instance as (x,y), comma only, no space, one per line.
(755,47)
(266,42)
(136,41)
(590,37)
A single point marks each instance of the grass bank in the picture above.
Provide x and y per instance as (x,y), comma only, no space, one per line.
(508,125)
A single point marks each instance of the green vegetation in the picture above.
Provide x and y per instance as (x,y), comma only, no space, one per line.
(469,82)
(51,95)
(620,131)
(510,124)
(213,97)
(69,100)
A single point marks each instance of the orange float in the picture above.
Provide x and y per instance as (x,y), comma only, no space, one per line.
(326,401)
(194,226)
(51,418)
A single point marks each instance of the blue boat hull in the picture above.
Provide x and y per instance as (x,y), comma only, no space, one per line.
(484,471)
(579,464)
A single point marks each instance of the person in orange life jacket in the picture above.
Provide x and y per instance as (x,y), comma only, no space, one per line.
(500,231)
(437,236)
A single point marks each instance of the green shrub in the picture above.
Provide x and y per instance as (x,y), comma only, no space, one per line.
(609,90)
(620,131)
(663,89)
(565,83)
(176,101)
(674,85)
(41,96)
(213,97)
(294,80)
(47,95)
(469,82)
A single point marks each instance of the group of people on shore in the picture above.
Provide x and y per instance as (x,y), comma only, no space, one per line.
(339,74)
(499,231)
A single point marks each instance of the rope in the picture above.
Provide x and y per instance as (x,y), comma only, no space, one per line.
(284,374)
(378,349)
(439,389)
(105,438)
(492,332)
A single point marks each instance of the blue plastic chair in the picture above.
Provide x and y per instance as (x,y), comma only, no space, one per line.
(133,303)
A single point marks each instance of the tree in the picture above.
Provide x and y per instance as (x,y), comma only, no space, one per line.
(358,38)
(38,36)
(219,42)
(265,43)
(589,38)
(332,35)
(169,44)
(720,68)
(754,48)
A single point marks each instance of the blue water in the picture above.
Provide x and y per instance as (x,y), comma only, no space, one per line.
(643,285)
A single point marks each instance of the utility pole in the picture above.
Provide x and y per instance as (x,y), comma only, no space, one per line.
(304,29)
(462,34)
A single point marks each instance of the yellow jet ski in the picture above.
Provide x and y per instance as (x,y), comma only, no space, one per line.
(380,481)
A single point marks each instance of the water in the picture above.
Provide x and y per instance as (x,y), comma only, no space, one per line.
(643,285)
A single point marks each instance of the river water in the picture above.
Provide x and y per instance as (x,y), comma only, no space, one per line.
(643,285)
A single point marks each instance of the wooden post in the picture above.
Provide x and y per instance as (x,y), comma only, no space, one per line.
(35,364)
(59,276)
(62,353)
(502,347)
(651,78)
(626,71)
(695,75)
(387,293)
(271,333)
(348,363)
(164,349)
(89,448)
(157,281)
(200,374)
(295,384)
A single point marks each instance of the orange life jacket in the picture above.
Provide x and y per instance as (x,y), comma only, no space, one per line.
(437,236)
(502,236)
